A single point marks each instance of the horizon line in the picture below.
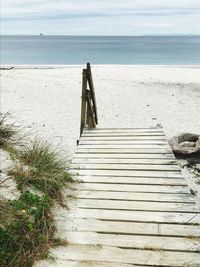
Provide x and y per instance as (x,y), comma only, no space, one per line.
(83,35)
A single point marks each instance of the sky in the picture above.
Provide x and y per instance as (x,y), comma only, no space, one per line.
(100,17)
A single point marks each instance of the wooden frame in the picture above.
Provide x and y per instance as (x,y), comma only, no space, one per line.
(89,117)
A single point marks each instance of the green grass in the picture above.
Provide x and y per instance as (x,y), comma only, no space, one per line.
(27,229)
(41,168)
(7,131)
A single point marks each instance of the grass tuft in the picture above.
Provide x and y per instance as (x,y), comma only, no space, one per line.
(7,131)
(27,230)
(41,168)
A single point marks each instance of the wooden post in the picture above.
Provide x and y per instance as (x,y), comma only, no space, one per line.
(83,100)
(90,111)
(88,101)
(90,81)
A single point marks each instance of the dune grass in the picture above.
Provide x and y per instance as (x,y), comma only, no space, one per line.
(27,228)
(42,168)
(7,131)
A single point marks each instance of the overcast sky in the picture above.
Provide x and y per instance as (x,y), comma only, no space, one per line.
(100,17)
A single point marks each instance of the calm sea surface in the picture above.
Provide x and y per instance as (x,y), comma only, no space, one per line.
(100,50)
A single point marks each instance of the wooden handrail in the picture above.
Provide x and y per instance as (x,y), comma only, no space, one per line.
(89,117)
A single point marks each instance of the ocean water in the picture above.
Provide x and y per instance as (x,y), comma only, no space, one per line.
(100,50)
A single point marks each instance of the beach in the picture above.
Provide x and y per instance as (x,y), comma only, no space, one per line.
(45,100)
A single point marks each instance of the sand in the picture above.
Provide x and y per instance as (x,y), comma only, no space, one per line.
(46,99)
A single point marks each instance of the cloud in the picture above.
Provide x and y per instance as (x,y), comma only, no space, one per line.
(92,14)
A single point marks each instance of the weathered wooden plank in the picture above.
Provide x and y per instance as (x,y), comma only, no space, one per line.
(123,138)
(169,156)
(110,166)
(124,130)
(131,228)
(121,150)
(124,150)
(125,161)
(121,146)
(71,263)
(124,134)
(131,173)
(136,205)
(118,255)
(135,241)
(148,196)
(135,216)
(124,142)
(132,180)
(135,188)
(124,155)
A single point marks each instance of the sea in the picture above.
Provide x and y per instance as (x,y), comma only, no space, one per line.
(153,50)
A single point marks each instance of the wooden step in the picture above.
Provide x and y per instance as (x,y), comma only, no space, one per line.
(146,196)
(90,155)
(125,161)
(131,205)
(136,216)
(100,166)
(120,256)
(135,205)
(130,228)
(132,180)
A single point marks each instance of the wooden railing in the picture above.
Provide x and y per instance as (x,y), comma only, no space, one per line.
(89,117)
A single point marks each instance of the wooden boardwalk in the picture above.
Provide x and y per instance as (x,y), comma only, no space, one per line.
(133,206)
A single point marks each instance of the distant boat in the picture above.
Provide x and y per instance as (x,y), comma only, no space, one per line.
(41,34)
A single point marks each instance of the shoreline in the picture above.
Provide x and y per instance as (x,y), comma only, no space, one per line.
(60,66)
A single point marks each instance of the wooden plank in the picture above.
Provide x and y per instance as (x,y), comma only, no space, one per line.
(148,196)
(123,138)
(132,180)
(124,142)
(124,150)
(169,156)
(134,188)
(131,228)
(125,161)
(135,216)
(135,241)
(125,146)
(118,255)
(135,205)
(124,134)
(131,173)
(71,263)
(124,130)
(101,166)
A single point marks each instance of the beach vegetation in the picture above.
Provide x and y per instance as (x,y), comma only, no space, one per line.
(7,131)
(41,167)
(27,227)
